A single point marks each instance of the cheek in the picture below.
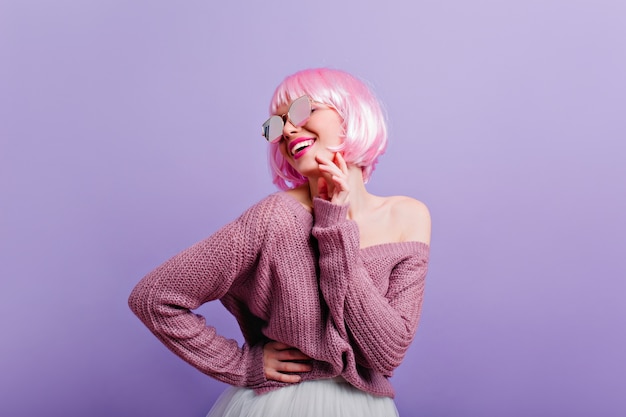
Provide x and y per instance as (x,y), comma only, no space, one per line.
(334,128)
(330,129)
(334,134)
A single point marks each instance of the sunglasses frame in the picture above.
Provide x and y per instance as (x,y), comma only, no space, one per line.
(284,118)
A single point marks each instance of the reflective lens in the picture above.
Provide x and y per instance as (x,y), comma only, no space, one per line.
(299,111)
(273,128)
(298,114)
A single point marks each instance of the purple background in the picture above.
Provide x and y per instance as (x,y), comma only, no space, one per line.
(130,130)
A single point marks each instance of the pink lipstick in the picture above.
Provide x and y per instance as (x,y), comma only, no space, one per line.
(299,146)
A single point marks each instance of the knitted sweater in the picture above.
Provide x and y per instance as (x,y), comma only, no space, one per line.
(295,277)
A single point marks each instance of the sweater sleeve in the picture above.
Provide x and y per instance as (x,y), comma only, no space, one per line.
(164,298)
(380,327)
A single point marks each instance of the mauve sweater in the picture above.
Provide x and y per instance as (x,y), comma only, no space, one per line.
(295,277)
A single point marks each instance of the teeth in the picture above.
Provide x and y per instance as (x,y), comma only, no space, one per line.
(301,146)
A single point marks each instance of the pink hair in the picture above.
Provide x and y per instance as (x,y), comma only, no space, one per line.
(364,126)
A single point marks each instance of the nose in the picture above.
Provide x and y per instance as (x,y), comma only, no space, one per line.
(289,128)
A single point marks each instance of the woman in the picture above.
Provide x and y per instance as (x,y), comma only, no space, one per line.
(325,279)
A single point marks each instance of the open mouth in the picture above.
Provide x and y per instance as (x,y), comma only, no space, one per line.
(300,145)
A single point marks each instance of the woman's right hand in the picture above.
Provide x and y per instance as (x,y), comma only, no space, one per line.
(280,361)
(334,184)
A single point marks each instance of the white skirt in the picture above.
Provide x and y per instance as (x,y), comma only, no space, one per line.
(325,397)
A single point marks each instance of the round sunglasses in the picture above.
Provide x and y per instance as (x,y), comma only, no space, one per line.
(298,114)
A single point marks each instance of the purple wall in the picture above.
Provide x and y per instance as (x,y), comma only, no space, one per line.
(130,130)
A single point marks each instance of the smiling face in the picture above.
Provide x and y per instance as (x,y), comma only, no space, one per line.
(352,119)
(300,145)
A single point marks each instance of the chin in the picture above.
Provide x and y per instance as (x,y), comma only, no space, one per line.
(309,169)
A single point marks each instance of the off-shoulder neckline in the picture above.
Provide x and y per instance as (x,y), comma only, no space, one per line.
(378,247)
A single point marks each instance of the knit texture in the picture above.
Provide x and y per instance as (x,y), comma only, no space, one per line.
(290,276)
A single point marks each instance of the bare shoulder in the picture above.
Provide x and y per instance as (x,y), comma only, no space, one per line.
(412,216)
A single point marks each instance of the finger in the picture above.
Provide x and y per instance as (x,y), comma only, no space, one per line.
(336,167)
(340,183)
(330,175)
(323,161)
(277,376)
(330,170)
(341,163)
(285,371)
(326,164)
(292,367)
(278,345)
(292,355)
(278,351)
(287,366)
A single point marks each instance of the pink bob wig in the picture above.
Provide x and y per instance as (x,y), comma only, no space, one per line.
(364,126)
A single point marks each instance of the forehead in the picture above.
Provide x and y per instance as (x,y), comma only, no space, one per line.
(283,105)
(287,92)
(282,108)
